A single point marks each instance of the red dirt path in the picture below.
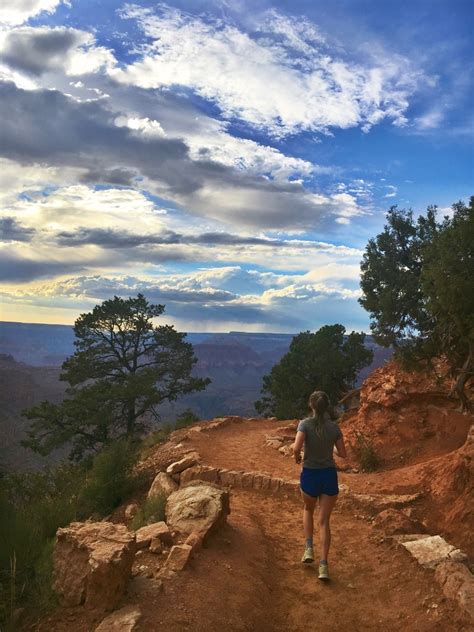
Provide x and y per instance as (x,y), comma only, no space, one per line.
(250,577)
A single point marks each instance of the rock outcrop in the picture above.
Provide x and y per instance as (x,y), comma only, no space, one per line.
(92,563)
(187,461)
(406,415)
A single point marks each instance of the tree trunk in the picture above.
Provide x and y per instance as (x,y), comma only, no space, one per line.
(458,387)
(131,416)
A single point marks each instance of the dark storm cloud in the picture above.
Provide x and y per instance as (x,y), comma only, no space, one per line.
(46,125)
(15,269)
(108,238)
(11,230)
(36,51)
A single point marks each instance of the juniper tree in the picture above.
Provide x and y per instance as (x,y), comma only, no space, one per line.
(417,285)
(326,360)
(123,368)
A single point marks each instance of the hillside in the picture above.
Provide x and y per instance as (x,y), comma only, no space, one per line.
(22,386)
(248,576)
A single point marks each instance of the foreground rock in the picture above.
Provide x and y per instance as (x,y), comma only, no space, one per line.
(178,557)
(92,564)
(198,507)
(123,620)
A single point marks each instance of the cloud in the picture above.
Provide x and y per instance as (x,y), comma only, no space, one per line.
(14,12)
(312,88)
(39,50)
(392,191)
(200,297)
(431,119)
(62,131)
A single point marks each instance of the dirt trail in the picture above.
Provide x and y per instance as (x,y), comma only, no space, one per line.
(249,578)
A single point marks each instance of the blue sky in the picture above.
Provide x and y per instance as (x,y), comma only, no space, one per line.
(229,159)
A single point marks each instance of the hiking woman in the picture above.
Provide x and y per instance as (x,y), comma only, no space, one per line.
(319,434)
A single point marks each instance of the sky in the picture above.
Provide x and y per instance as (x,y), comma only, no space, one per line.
(229,159)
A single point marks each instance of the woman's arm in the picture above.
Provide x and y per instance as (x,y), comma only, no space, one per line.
(298,444)
(341,448)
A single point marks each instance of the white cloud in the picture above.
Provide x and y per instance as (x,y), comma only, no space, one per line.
(14,12)
(431,119)
(393,190)
(310,89)
(75,206)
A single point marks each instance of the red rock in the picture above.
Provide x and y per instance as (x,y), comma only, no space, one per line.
(247,480)
(195,540)
(393,521)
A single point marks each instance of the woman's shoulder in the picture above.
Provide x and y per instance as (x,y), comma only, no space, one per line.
(303,422)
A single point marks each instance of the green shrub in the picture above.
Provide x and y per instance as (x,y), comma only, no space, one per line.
(34,505)
(155,438)
(365,453)
(153,510)
(110,480)
(186,418)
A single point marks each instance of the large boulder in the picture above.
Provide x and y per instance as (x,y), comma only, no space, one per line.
(198,507)
(92,563)
(163,485)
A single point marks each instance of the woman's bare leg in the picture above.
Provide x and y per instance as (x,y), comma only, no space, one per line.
(308,511)
(326,505)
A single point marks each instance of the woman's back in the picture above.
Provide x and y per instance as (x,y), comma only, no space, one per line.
(320,437)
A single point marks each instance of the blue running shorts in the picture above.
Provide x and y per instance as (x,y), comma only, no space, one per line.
(316,482)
